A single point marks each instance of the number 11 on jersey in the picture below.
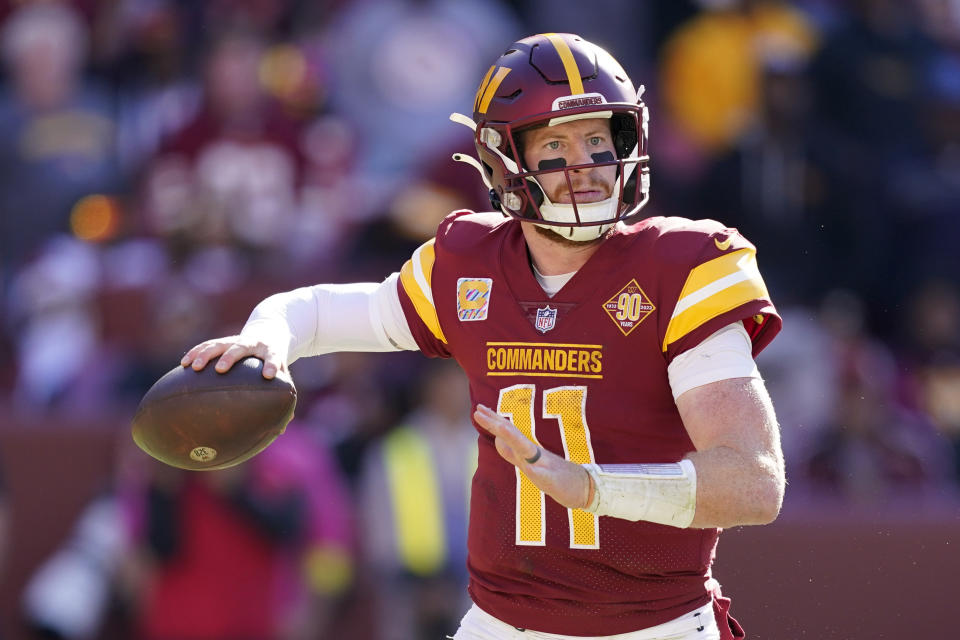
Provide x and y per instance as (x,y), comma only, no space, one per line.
(567,405)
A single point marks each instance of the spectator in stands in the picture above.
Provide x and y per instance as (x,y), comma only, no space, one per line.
(56,129)
(933,361)
(870,92)
(414,495)
(771,181)
(70,594)
(392,65)
(353,399)
(874,448)
(261,551)
(56,329)
(151,67)
(800,374)
(56,149)
(230,179)
(711,66)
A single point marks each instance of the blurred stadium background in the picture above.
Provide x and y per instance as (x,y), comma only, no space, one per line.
(165,164)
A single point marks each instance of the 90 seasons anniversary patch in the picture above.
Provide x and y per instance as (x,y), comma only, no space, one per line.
(629,307)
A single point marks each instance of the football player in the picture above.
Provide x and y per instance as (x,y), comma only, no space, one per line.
(622,420)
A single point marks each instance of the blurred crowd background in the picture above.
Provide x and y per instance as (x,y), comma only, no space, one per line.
(165,164)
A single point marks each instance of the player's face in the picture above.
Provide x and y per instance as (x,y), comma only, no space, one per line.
(572,143)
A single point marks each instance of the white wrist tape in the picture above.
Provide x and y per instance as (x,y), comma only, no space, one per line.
(661,493)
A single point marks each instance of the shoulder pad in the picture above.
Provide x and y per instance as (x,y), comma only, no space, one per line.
(462,229)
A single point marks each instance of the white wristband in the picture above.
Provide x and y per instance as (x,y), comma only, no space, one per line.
(661,493)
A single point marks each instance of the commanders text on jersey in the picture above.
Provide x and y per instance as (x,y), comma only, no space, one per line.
(538,358)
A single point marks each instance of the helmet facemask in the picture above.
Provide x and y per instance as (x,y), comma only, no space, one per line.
(518,191)
(548,80)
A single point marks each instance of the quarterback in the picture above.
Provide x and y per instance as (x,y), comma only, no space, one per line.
(622,421)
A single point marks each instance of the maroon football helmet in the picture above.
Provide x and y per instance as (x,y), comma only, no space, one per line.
(546,80)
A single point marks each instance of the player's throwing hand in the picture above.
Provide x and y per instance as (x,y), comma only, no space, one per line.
(566,482)
(232,349)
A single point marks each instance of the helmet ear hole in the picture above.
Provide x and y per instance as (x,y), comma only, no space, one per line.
(495,201)
(624,130)
(630,189)
(536,193)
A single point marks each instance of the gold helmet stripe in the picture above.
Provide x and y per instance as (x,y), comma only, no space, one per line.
(569,64)
(492,89)
(483,85)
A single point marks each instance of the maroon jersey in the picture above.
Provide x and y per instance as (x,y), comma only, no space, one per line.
(583,374)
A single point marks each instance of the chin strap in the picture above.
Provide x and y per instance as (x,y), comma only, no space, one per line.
(466,121)
(489,137)
(473,162)
(602,210)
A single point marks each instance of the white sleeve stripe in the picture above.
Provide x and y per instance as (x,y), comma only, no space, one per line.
(420,277)
(392,319)
(713,288)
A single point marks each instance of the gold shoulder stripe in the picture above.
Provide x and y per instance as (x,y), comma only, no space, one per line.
(713,288)
(415,277)
(569,63)
(491,89)
(712,270)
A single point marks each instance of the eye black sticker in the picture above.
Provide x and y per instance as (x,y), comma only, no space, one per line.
(560,163)
(552,163)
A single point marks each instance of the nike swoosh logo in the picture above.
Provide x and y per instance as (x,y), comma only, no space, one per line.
(723,246)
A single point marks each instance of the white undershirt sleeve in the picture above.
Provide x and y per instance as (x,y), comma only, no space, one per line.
(728,353)
(324,318)
(392,318)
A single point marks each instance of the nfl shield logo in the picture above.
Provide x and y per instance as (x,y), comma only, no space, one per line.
(546,319)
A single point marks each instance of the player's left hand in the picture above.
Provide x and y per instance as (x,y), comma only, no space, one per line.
(566,482)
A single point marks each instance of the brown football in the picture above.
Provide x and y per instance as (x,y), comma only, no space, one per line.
(204,420)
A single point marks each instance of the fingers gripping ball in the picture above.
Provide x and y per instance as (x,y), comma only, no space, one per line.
(204,420)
